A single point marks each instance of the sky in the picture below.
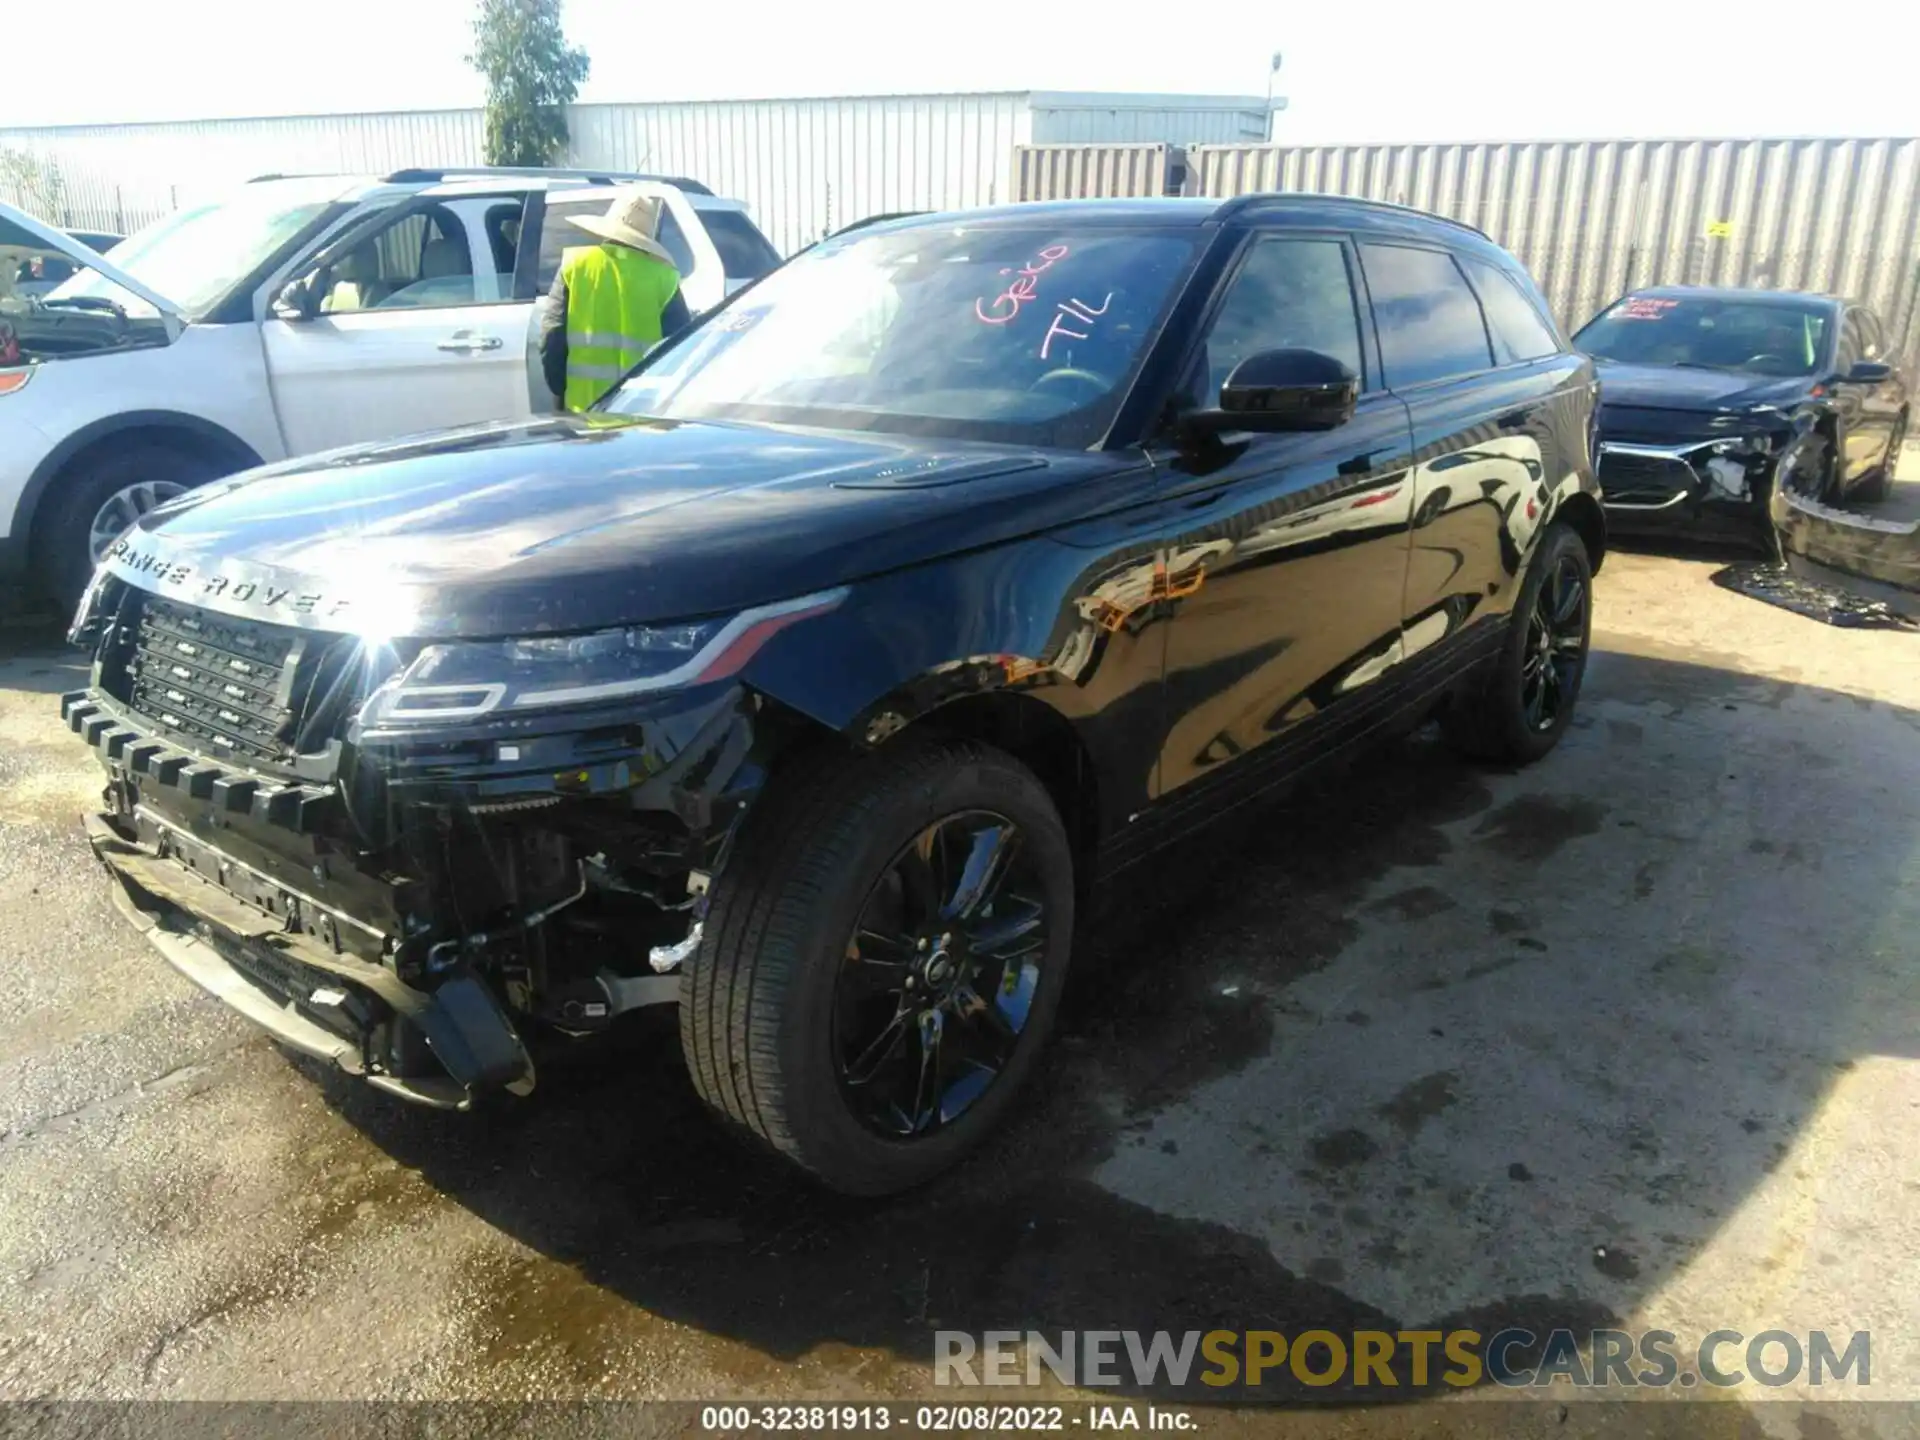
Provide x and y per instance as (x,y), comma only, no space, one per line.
(1352,70)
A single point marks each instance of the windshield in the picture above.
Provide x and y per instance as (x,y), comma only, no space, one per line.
(196,255)
(1015,335)
(1763,337)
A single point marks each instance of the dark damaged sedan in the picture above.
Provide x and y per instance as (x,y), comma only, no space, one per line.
(819,681)
(1713,399)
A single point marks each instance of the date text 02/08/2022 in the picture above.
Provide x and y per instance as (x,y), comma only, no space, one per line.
(937,1419)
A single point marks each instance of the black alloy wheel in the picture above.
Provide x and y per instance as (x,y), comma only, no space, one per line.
(940,975)
(1556,645)
(1519,705)
(882,958)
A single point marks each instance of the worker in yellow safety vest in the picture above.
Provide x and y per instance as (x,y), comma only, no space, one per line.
(610,303)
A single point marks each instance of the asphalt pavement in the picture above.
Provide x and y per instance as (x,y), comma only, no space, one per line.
(1628,1038)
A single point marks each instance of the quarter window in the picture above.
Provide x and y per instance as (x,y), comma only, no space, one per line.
(1519,332)
(1430,325)
(1287,295)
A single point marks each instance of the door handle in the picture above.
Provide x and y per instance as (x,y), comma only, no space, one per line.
(466,342)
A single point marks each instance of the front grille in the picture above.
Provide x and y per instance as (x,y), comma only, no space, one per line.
(1643,479)
(229,688)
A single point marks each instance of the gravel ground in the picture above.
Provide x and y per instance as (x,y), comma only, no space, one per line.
(1626,1038)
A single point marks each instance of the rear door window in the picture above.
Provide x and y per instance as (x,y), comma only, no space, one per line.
(674,239)
(1429,322)
(558,236)
(1518,329)
(745,254)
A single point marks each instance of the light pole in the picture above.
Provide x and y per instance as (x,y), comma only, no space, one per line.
(1273,69)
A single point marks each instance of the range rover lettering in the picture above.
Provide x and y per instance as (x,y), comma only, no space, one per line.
(820,679)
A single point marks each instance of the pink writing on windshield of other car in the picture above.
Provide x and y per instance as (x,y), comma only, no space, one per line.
(1078,311)
(1004,306)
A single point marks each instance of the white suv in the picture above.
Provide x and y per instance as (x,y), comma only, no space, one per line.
(295,315)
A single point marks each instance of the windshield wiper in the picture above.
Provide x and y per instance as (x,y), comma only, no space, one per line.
(86,302)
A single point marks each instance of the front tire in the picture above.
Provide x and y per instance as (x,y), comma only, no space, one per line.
(1520,708)
(95,500)
(883,957)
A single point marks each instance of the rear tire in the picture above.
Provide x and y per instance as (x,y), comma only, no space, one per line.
(798,960)
(1518,709)
(64,547)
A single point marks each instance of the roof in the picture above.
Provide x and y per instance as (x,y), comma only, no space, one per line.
(1732,292)
(533,175)
(1191,210)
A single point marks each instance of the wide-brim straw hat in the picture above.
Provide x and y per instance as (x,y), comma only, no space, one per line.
(631,220)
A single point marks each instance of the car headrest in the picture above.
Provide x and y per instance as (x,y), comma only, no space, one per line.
(441,258)
(360,264)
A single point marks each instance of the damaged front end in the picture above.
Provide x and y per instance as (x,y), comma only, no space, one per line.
(1698,469)
(374,852)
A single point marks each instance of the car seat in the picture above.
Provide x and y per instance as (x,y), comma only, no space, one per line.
(356,282)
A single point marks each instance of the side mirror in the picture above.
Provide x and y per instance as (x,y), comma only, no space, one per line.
(1277,391)
(295,302)
(1868,372)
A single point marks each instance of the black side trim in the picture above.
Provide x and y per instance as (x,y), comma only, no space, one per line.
(1264,773)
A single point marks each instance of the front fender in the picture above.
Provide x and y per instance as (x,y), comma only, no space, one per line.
(1070,627)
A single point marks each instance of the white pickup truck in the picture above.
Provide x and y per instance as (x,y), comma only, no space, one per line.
(294,315)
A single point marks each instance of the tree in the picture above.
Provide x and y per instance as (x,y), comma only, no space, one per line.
(532,75)
(34,183)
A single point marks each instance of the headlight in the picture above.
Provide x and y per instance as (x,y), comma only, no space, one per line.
(467,679)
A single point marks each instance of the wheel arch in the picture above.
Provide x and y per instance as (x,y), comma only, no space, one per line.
(1583,514)
(170,427)
(1043,740)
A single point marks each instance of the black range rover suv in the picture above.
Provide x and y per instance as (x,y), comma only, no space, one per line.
(822,677)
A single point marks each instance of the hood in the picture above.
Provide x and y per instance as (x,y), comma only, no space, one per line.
(578,522)
(17,228)
(1702,392)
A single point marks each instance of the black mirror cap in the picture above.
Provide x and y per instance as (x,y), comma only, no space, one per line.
(1868,372)
(1284,390)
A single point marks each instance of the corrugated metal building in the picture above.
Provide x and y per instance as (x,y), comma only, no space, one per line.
(1592,219)
(805,166)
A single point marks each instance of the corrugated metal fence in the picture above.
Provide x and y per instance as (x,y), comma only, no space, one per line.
(1590,219)
(1049,172)
(805,166)
(1593,219)
(120,177)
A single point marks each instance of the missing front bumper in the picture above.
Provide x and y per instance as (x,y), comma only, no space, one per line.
(1874,558)
(333,1007)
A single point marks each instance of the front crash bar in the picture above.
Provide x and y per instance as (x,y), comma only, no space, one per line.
(465,1028)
